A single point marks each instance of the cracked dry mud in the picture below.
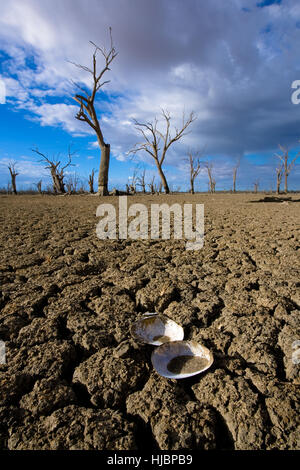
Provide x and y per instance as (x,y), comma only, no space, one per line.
(75,379)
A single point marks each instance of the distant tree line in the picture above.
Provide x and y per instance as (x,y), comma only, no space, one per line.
(71,183)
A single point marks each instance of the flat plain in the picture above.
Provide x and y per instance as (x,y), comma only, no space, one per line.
(74,377)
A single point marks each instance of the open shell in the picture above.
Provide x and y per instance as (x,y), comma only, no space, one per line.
(181,359)
(156,329)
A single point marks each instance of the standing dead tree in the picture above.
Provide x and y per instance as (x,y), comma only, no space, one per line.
(141,181)
(56,170)
(13,175)
(212,181)
(87,112)
(39,186)
(133,183)
(287,166)
(279,174)
(153,138)
(256,186)
(235,169)
(72,183)
(152,185)
(194,167)
(91,181)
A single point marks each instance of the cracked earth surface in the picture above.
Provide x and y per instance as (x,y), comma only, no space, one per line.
(75,379)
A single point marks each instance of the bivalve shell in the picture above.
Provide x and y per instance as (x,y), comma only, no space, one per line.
(156,329)
(181,359)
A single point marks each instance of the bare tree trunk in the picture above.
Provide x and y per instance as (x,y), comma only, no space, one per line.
(141,182)
(58,184)
(195,166)
(279,171)
(163,178)
(39,186)
(13,183)
(235,169)
(212,182)
(285,175)
(13,175)
(151,186)
(91,181)
(234,179)
(278,186)
(192,186)
(256,185)
(286,165)
(103,170)
(56,170)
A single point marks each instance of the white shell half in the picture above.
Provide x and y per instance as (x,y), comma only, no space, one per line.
(181,359)
(156,329)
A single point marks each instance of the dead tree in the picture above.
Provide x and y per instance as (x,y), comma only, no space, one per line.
(81,189)
(153,138)
(212,181)
(256,186)
(69,186)
(279,174)
(39,186)
(141,181)
(131,189)
(287,166)
(152,185)
(91,181)
(72,183)
(235,169)
(88,114)
(56,170)
(195,167)
(13,175)
(133,183)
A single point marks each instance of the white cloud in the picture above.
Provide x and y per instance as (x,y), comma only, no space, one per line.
(59,115)
(94,144)
(15,90)
(121,158)
(25,167)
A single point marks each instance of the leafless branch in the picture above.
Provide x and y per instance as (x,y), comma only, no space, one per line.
(156,142)
(286,164)
(56,171)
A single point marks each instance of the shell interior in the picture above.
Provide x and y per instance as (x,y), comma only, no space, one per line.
(157,330)
(181,359)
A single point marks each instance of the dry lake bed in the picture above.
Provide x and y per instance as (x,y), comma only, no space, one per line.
(73,376)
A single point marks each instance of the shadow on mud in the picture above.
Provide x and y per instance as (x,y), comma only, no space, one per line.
(275,199)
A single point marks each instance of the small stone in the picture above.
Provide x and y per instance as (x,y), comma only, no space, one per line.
(122,349)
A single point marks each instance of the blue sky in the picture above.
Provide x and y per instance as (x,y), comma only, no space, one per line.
(232,63)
